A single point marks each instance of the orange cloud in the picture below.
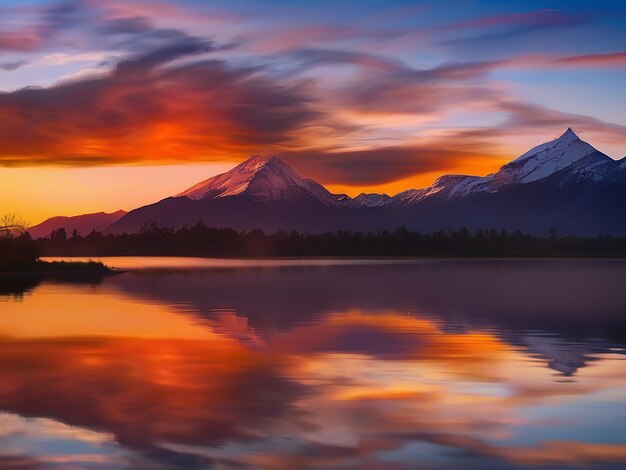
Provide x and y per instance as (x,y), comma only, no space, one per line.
(146,111)
(172,104)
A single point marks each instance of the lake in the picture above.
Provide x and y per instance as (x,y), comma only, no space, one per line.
(292,364)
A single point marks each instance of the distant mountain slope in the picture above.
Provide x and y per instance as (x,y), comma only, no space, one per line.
(564,184)
(261,192)
(578,191)
(263,179)
(364,200)
(83,224)
(538,163)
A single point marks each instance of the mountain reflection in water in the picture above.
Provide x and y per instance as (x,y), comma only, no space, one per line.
(428,364)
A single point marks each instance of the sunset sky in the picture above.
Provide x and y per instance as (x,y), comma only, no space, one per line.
(111,105)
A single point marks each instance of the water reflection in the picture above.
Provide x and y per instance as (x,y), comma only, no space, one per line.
(584,297)
(14,288)
(432,364)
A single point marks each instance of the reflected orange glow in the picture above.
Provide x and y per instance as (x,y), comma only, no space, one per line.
(399,337)
(566,453)
(197,392)
(157,378)
(171,386)
(110,316)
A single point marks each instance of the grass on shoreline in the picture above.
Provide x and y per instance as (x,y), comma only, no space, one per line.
(72,265)
(59,268)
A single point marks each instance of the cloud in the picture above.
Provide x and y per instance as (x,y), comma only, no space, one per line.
(312,57)
(19,41)
(155,95)
(380,165)
(447,151)
(64,58)
(525,116)
(145,63)
(491,29)
(159,106)
(417,96)
(11,66)
(289,38)
(132,25)
(31,28)
(172,104)
(526,21)
(395,68)
(87,26)
(385,87)
(616,59)
(555,61)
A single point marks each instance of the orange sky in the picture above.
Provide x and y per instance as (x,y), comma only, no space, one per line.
(37,193)
(42,191)
(107,106)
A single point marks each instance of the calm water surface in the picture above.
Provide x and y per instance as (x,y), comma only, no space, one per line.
(189,363)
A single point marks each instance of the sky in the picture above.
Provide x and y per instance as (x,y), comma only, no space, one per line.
(111,105)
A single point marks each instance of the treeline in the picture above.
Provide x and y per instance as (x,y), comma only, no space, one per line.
(18,252)
(201,240)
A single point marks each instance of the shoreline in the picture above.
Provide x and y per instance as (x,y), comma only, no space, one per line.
(621,256)
(61,269)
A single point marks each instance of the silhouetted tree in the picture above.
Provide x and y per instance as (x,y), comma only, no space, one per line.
(58,235)
(17,249)
(12,225)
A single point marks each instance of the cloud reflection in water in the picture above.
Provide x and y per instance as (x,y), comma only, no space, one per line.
(219,379)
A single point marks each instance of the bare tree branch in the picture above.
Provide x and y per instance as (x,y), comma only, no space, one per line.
(12,225)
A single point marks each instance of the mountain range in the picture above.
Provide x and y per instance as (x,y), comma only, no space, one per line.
(565,184)
(83,224)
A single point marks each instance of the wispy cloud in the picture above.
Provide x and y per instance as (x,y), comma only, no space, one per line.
(149,109)
(384,164)
(616,59)
(518,22)
(143,82)
(11,66)
(492,29)
(20,41)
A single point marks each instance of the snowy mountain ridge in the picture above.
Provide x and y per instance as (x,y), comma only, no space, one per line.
(538,163)
(564,183)
(263,178)
(268,178)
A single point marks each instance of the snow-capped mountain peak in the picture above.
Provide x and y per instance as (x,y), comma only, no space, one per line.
(268,178)
(564,183)
(545,159)
(537,163)
(263,178)
(565,139)
(257,162)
